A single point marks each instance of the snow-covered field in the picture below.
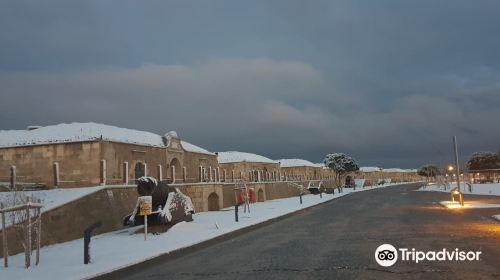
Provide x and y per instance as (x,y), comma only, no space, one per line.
(481,189)
(53,198)
(468,204)
(118,249)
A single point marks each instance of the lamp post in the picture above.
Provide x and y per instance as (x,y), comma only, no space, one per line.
(457,171)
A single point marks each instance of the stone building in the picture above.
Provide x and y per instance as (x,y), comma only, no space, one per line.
(377,174)
(300,169)
(248,166)
(86,154)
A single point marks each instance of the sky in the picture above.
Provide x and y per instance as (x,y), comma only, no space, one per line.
(387,82)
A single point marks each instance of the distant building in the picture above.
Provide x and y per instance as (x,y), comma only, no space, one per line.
(301,169)
(249,167)
(395,175)
(85,154)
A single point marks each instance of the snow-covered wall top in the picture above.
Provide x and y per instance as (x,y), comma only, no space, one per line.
(296,162)
(77,132)
(232,156)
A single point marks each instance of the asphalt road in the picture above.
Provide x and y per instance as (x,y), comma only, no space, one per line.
(337,240)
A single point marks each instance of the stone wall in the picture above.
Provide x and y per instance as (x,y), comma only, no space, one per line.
(246,168)
(396,177)
(303,172)
(116,154)
(83,163)
(79,163)
(193,161)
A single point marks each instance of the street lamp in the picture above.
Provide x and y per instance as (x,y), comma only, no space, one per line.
(457,171)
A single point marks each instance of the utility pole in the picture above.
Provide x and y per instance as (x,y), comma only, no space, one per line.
(457,170)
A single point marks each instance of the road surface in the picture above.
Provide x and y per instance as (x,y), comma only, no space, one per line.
(337,240)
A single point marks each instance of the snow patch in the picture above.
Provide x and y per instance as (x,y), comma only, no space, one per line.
(468,204)
(480,189)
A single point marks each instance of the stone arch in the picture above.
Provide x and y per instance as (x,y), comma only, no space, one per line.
(139,170)
(260,195)
(178,169)
(213,202)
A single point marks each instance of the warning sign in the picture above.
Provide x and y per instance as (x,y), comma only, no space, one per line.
(145,205)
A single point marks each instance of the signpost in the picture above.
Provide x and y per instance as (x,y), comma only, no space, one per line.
(145,208)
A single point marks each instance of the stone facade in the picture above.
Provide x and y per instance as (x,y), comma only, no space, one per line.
(303,173)
(102,162)
(395,177)
(251,171)
(78,163)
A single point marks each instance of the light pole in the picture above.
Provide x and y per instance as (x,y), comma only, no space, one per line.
(457,171)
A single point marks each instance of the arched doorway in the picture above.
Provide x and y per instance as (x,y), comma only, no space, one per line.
(140,170)
(260,196)
(213,202)
(178,170)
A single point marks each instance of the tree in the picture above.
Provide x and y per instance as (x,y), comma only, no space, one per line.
(342,164)
(429,170)
(483,160)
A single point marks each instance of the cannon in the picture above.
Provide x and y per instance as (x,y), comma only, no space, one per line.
(169,204)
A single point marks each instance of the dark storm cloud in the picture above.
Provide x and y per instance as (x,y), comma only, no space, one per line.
(387,81)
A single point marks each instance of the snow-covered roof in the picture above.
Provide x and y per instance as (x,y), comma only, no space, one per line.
(295,162)
(370,169)
(398,170)
(233,156)
(78,132)
(378,169)
(194,149)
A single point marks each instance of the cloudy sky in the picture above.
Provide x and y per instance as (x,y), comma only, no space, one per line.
(389,82)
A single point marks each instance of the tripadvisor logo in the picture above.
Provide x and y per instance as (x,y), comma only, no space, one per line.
(387,255)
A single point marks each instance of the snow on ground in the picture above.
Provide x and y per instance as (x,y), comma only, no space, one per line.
(118,249)
(52,198)
(481,189)
(233,156)
(359,182)
(468,204)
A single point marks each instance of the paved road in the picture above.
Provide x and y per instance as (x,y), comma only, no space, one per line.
(337,240)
